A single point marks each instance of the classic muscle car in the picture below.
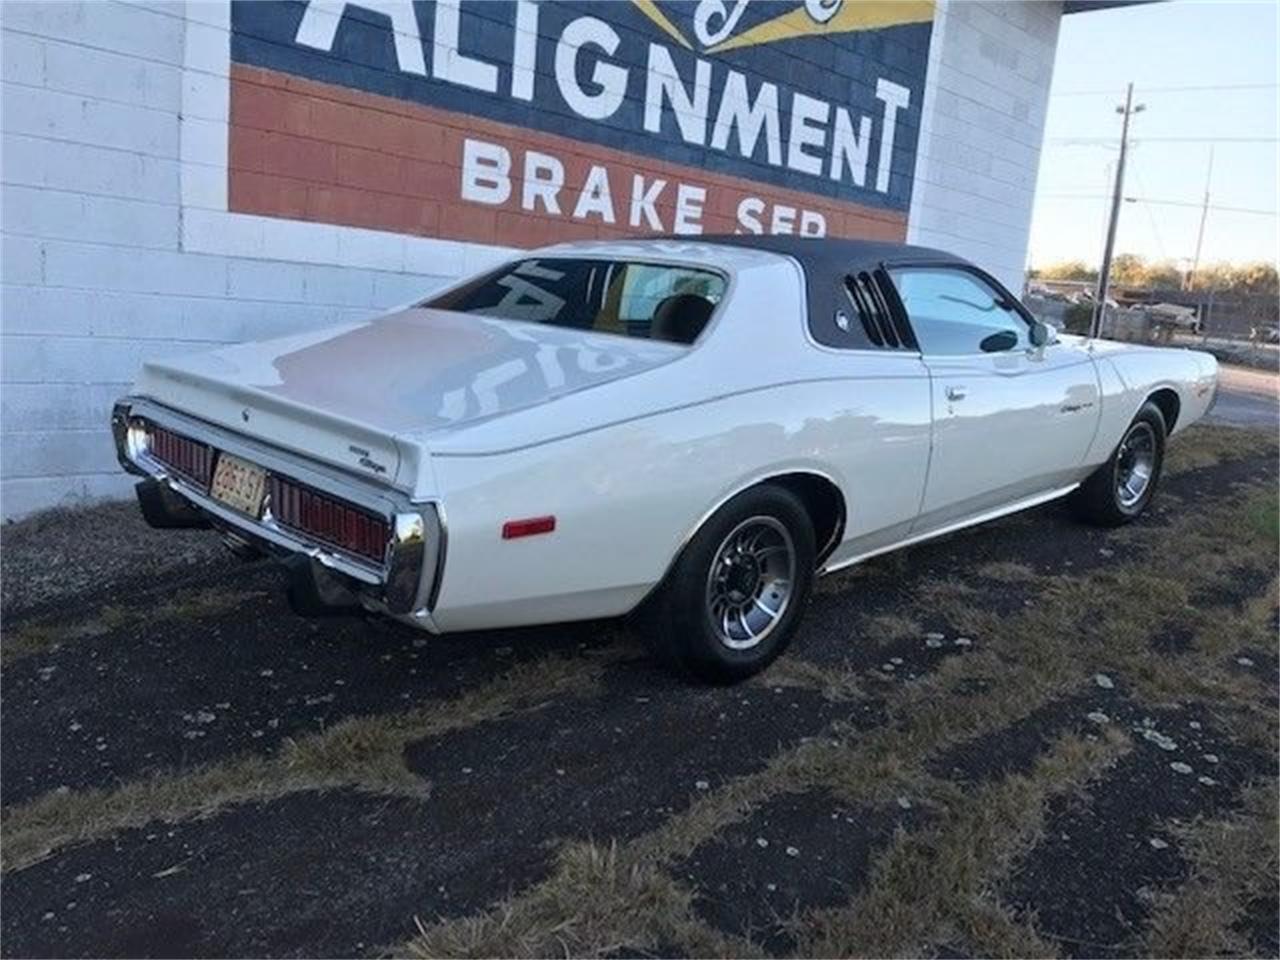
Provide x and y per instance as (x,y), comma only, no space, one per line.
(687,429)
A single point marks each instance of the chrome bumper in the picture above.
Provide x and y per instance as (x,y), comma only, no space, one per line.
(404,584)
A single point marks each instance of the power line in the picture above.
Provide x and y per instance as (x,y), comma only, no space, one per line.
(1212,206)
(1109,141)
(1166,203)
(1151,216)
(1181,89)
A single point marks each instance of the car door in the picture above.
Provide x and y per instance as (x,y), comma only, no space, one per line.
(1010,420)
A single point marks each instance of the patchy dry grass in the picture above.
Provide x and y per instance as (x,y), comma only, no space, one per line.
(363,752)
(40,636)
(1234,861)
(933,886)
(887,627)
(595,903)
(1007,571)
(1201,446)
(833,684)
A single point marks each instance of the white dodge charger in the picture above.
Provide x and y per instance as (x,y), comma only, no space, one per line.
(689,429)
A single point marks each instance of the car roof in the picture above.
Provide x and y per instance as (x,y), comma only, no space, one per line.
(820,256)
(830,255)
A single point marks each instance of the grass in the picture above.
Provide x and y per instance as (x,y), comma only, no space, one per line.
(1007,571)
(595,903)
(363,752)
(40,636)
(933,887)
(887,627)
(1202,445)
(930,888)
(1234,863)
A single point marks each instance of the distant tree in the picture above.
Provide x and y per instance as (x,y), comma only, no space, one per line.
(1069,270)
(1163,274)
(1258,277)
(1128,269)
(1213,276)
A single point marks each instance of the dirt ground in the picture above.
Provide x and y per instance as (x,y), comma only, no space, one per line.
(1035,738)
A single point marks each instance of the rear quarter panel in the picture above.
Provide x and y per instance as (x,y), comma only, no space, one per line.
(627,497)
(1131,375)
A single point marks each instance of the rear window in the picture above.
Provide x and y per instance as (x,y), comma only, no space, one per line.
(650,301)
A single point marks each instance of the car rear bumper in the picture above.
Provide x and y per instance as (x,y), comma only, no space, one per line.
(403,581)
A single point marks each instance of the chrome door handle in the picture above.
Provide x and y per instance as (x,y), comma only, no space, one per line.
(956,393)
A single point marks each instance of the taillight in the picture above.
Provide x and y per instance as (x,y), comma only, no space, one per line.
(328,519)
(182,455)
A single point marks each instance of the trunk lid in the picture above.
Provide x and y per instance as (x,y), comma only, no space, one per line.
(347,394)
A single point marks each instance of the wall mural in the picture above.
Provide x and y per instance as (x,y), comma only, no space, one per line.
(521,123)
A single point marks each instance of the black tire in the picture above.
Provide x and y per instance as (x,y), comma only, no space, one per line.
(1101,499)
(677,621)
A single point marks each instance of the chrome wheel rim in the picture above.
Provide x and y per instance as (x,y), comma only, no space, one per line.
(749,585)
(1135,464)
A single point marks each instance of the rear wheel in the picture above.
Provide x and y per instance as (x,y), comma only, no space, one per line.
(731,602)
(1120,489)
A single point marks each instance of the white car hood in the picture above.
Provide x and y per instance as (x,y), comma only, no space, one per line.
(367,385)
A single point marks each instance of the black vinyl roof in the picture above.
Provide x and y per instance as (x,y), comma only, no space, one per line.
(827,255)
(832,266)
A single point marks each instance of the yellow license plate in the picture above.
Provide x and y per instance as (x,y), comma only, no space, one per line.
(239,484)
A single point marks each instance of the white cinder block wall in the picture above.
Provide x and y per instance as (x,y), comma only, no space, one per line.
(990,66)
(110,206)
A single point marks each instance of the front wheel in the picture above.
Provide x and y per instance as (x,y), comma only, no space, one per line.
(733,599)
(1119,490)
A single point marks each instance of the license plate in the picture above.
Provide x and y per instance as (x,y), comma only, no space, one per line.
(239,484)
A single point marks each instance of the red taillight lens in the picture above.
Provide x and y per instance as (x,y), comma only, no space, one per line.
(328,519)
(182,455)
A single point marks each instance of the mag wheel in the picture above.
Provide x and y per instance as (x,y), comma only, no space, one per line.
(1120,489)
(732,601)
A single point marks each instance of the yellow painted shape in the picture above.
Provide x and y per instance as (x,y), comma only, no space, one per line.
(650,9)
(854,15)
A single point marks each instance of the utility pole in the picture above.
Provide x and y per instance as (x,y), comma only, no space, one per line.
(1204,213)
(1104,274)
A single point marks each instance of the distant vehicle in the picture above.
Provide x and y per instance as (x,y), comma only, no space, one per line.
(688,429)
(1268,334)
(1047,293)
(1174,315)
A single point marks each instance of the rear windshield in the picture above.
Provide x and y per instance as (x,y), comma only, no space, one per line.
(633,299)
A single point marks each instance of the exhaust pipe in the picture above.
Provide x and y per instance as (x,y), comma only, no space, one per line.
(165,510)
(315,591)
(241,548)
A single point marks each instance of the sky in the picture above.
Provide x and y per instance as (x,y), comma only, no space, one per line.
(1227,47)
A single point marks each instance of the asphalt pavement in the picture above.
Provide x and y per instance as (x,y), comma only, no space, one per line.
(1247,398)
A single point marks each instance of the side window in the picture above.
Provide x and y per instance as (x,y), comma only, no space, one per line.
(660,302)
(956,312)
(649,301)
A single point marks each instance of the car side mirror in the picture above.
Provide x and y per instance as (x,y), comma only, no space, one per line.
(998,342)
(1041,334)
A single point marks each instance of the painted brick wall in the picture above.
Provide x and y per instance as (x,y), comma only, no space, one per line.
(117,244)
